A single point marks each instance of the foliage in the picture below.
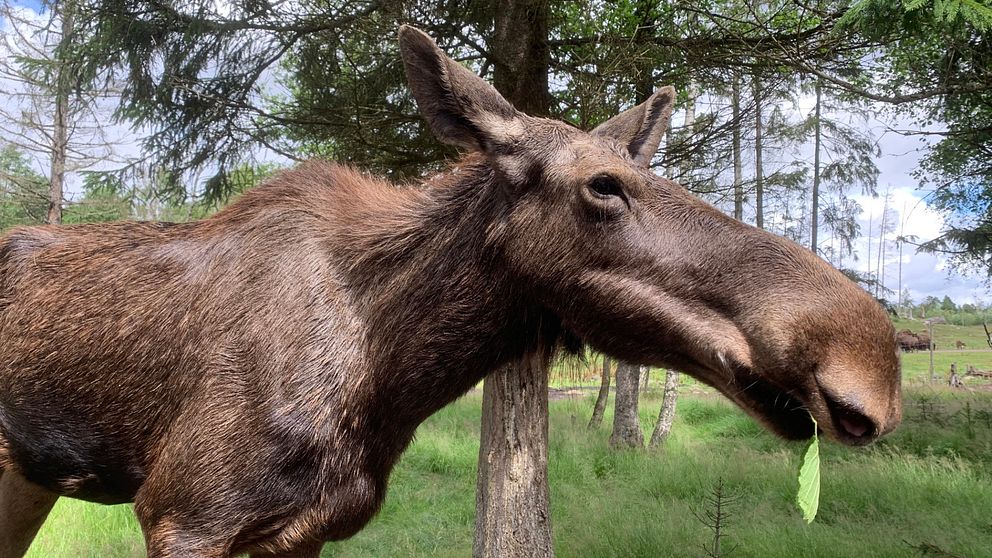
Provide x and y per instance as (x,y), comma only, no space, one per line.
(941,47)
(808,497)
(23,192)
(216,84)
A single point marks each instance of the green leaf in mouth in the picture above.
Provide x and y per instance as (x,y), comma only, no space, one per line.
(808,497)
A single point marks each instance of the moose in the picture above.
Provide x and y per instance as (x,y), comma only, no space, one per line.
(250,380)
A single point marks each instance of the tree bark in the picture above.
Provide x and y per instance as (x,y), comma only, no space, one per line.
(815,222)
(60,123)
(521,55)
(738,178)
(626,424)
(759,175)
(512,495)
(603,397)
(667,414)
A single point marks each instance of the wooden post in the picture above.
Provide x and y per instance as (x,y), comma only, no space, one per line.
(930,333)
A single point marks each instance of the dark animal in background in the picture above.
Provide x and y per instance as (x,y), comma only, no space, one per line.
(959,345)
(250,380)
(911,342)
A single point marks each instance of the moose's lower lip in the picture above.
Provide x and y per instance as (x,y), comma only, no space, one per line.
(786,415)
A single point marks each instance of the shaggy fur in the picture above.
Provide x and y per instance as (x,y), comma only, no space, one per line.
(250,380)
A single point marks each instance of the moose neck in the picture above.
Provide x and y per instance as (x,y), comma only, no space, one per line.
(429,283)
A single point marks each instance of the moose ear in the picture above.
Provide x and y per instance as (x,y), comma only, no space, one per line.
(461,108)
(642,127)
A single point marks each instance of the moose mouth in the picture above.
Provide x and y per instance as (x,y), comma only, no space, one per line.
(791,415)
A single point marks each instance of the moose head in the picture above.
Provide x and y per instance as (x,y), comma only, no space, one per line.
(639,268)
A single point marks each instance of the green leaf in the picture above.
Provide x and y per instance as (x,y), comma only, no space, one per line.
(808,497)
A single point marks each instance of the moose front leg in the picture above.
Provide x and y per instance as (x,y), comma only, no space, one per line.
(23,509)
(169,540)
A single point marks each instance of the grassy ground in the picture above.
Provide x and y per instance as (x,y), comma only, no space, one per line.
(930,483)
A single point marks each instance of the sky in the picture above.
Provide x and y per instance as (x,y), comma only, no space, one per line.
(922,274)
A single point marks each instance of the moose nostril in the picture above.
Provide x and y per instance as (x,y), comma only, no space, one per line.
(855,425)
(850,421)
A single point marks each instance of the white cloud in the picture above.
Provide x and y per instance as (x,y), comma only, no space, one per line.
(923,274)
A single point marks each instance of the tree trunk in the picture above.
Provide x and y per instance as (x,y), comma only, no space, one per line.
(871,217)
(879,268)
(645,377)
(521,56)
(603,397)
(759,177)
(667,414)
(738,179)
(60,123)
(685,168)
(626,424)
(815,215)
(512,494)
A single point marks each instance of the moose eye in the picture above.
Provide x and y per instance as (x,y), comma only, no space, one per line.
(606,186)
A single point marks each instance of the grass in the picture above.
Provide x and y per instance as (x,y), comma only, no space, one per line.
(930,483)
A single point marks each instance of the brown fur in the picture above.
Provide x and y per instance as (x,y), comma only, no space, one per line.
(250,380)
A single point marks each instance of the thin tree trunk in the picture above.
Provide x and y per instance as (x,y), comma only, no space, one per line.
(667,414)
(685,168)
(815,216)
(871,217)
(902,231)
(880,279)
(759,177)
(512,495)
(60,123)
(604,395)
(626,424)
(738,179)
(645,377)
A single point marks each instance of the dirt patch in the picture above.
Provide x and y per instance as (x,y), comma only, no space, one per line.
(556,394)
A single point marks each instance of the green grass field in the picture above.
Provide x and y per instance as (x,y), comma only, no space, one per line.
(930,483)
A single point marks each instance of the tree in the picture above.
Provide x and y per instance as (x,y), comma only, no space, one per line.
(55,113)
(663,427)
(23,192)
(603,397)
(933,64)
(815,198)
(886,226)
(513,516)
(906,303)
(759,185)
(626,423)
